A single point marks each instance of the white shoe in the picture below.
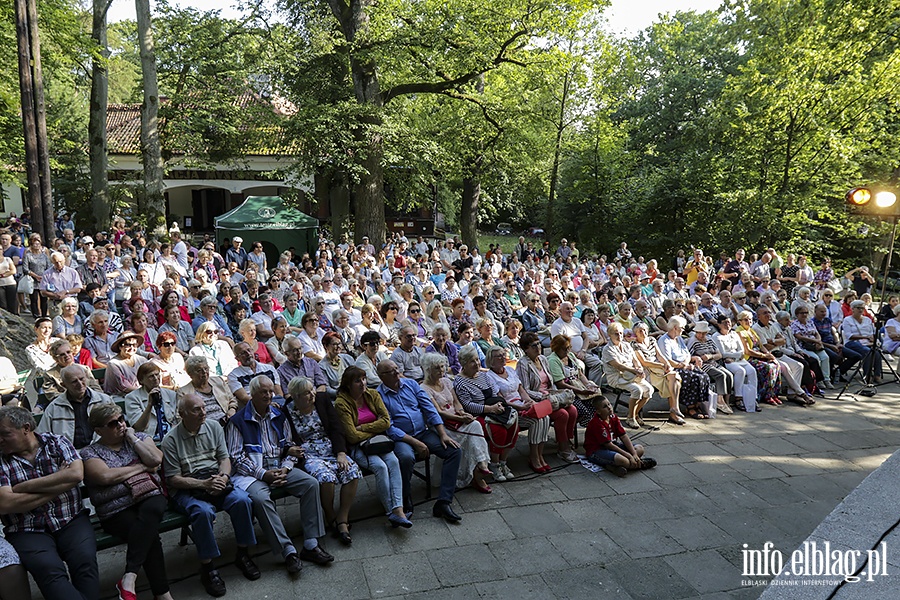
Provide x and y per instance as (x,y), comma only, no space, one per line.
(497,472)
(569,457)
(506,472)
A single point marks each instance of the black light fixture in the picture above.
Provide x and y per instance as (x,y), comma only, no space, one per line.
(871,201)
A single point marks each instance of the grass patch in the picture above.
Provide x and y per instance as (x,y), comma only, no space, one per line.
(507,242)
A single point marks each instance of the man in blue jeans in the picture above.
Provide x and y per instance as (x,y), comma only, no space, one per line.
(198,471)
(418,430)
(40,503)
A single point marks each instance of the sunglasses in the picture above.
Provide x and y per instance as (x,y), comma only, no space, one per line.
(116,422)
(414,311)
(167,344)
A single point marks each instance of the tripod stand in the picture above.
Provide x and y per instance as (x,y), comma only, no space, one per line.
(875,354)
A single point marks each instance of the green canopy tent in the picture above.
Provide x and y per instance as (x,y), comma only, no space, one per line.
(266,219)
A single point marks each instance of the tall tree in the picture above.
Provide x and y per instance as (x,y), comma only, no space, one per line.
(153,205)
(97,141)
(399,48)
(31,84)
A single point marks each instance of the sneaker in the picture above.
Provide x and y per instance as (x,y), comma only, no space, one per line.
(497,472)
(506,472)
(212,582)
(648,463)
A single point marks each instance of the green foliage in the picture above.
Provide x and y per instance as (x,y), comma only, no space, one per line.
(742,126)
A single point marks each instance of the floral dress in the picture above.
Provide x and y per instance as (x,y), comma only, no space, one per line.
(472,444)
(766,372)
(321,462)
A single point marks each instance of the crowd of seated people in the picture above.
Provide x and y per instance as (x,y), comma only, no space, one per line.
(306,375)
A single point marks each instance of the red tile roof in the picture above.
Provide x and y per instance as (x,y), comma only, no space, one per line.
(123,128)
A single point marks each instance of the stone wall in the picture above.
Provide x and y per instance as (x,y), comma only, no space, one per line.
(15,334)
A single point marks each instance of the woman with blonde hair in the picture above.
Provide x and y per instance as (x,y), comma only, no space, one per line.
(218,353)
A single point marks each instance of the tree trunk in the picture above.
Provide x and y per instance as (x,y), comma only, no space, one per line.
(151,150)
(100,200)
(471,197)
(339,196)
(368,190)
(557,150)
(40,114)
(26,88)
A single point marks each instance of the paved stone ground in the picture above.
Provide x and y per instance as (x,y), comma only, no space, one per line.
(673,532)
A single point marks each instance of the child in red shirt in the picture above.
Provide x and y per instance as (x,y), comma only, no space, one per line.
(607,444)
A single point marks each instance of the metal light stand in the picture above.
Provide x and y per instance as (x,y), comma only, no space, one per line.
(876,352)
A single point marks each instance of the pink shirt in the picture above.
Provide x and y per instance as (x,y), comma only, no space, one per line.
(366,415)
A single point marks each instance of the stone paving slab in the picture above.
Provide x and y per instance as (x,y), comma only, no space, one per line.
(673,532)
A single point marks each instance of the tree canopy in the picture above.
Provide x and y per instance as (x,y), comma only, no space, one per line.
(740,126)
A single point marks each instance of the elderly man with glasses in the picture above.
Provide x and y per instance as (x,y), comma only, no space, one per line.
(298,365)
(408,355)
(418,431)
(61,352)
(240,377)
(67,415)
(261,444)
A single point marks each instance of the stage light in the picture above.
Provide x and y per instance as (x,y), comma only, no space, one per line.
(885,199)
(859,196)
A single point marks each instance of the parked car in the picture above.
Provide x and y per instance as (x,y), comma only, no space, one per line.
(535,232)
(504,229)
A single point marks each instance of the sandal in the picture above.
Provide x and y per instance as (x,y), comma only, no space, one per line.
(696,413)
(632,423)
(739,404)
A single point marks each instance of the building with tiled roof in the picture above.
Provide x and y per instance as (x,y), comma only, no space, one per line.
(196,189)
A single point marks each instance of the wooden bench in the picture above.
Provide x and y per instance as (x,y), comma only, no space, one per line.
(173,519)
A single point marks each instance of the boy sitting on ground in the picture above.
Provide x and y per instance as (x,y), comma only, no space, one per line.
(606,443)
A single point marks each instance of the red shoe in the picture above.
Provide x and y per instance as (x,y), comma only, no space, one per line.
(123,594)
(546,469)
(484,490)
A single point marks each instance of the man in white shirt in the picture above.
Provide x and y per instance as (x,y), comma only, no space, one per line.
(179,248)
(858,333)
(574,329)
(408,355)
(833,307)
(240,377)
